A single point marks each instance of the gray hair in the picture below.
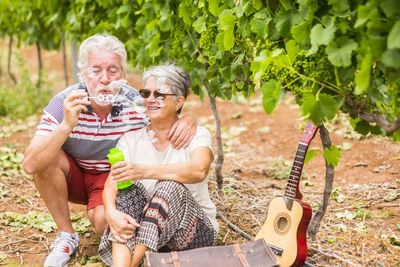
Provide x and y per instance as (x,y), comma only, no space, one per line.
(172,75)
(97,41)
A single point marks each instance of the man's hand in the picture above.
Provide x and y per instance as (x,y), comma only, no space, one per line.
(122,225)
(182,132)
(74,104)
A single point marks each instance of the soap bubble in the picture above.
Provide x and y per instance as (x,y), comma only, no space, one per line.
(151,134)
(163,90)
(101,98)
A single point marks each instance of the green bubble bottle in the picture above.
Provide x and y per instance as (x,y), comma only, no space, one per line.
(115,156)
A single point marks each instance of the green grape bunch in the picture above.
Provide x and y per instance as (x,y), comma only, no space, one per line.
(394,94)
(305,75)
(266,45)
(207,38)
(178,36)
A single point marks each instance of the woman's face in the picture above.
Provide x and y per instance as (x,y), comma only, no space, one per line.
(159,100)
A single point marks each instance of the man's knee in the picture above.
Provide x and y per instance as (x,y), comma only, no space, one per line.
(58,167)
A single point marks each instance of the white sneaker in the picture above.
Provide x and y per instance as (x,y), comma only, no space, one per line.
(63,248)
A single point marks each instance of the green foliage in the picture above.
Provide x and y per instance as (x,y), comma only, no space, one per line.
(40,221)
(335,55)
(24,99)
(353,52)
(32,219)
(337,195)
(311,153)
(87,259)
(10,159)
(4,190)
(332,155)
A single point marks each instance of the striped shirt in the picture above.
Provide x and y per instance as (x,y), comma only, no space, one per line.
(91,139)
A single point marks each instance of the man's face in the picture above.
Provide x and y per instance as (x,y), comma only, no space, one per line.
(104,67)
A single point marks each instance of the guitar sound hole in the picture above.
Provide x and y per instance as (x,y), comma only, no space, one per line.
(282,224)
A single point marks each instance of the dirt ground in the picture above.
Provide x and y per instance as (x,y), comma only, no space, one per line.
(361,227)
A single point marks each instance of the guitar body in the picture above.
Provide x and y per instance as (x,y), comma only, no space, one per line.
(285,230)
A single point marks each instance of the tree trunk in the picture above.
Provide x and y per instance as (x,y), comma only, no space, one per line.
(75,69)
(9,60)
(40,70)
(330,171)
(1,68)
(64,53)
(220,158)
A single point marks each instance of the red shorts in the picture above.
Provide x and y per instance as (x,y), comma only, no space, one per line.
(85,186)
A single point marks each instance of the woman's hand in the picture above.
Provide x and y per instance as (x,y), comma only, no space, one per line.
(126,171)
(182,132)
(122,225)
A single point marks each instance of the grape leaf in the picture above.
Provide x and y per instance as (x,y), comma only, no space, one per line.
(365,128)
(184,14)
(323,35)
(317,109)
(227,24)
(390,7)
(339,5)
(393,40)
(283,22)
(301,31)
(271,91)
(213,7)
(363,76)
(332,155)
(259,23)
(287,4)
(391,58)
(339,52)
(259,64)
(292,50)
(200,24)
(154,49)
(311,153)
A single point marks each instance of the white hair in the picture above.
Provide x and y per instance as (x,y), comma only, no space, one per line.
(95,42)
(172,75)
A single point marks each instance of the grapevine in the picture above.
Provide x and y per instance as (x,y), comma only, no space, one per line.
(177,37)
(206,42)
(305,76)
(394,93)
(207,38)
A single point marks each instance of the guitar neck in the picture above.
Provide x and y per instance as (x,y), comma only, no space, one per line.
(295,173)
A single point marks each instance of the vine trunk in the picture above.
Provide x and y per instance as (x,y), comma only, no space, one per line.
(329,175)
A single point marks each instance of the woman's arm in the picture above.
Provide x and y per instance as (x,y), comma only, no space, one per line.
(191,172)
(122,225)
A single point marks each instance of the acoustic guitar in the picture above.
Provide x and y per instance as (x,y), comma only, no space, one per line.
(288,217)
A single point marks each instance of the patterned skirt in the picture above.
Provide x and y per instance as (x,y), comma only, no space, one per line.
(170,219)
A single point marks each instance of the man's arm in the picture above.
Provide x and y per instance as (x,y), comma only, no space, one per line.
(182,132)
(44,149)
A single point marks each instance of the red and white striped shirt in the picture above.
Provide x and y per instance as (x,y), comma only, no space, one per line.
(91,139)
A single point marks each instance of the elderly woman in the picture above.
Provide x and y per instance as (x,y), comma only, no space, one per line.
(168,206)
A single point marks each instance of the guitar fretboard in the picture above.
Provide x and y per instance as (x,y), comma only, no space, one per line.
(295,173)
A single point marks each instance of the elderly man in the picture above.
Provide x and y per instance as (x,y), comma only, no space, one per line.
(68,154)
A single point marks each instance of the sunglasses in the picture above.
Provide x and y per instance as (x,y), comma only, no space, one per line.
(146,93)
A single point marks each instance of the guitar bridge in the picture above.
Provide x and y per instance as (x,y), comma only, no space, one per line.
(277,251)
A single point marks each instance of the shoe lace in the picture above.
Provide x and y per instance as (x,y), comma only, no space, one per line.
(59,245)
